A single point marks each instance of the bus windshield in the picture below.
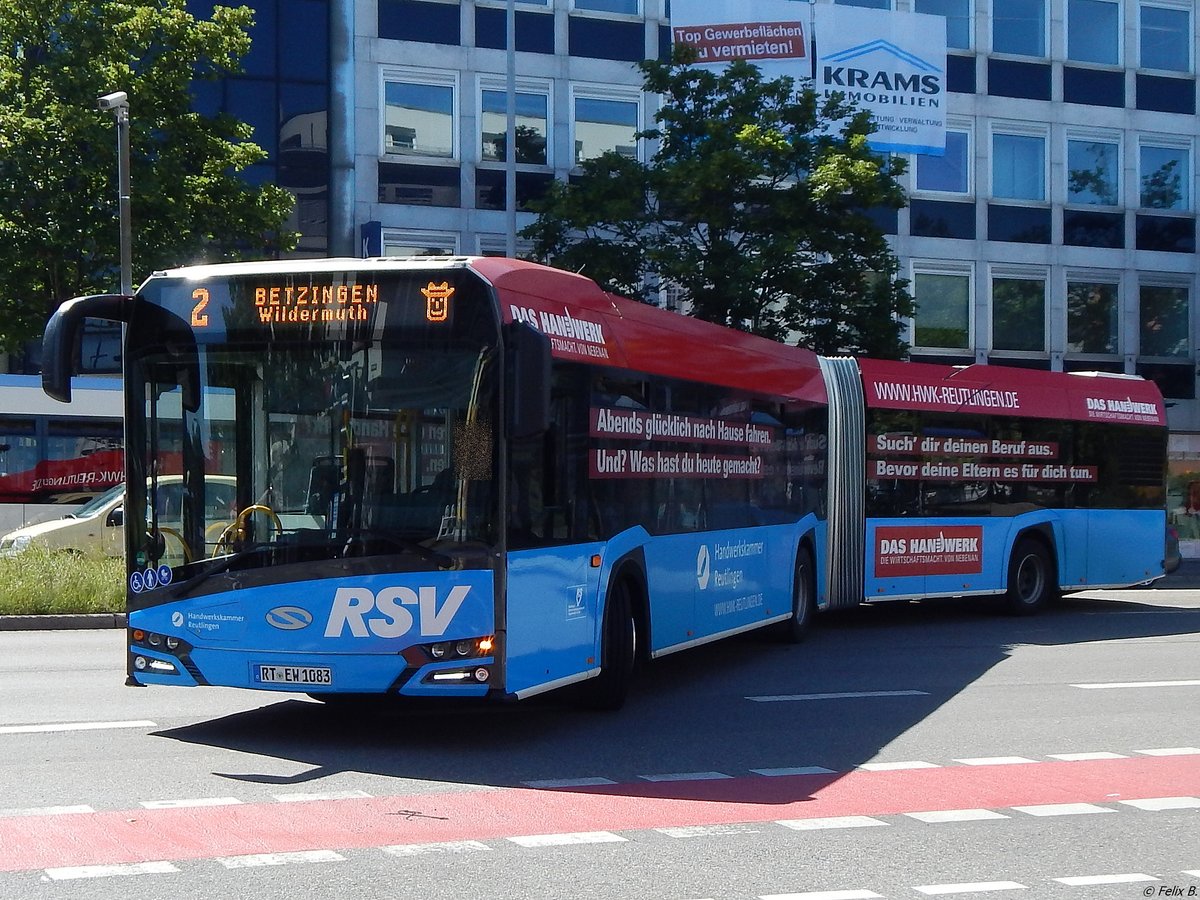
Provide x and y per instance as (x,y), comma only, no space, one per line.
(311,455)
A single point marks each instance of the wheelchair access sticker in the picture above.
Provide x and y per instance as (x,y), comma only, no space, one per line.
(150,579)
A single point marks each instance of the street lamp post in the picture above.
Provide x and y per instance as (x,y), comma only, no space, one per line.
(118,104)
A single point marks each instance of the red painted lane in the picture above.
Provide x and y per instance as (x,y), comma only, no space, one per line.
(38,842)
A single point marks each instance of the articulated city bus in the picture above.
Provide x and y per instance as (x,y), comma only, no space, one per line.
(483,477)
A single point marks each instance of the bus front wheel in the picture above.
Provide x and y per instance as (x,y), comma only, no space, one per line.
(1031,578)
(618,653)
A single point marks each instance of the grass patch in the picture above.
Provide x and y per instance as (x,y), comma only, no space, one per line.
(38,582)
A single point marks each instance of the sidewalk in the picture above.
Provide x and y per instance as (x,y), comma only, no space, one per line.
(62,622)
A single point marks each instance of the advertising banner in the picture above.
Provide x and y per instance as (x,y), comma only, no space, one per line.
(892,64)
(772,34)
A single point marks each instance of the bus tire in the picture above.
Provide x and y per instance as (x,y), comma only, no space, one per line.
(804,598)
(1032,582)
(618,652)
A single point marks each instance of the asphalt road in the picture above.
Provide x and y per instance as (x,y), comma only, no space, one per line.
(923,749)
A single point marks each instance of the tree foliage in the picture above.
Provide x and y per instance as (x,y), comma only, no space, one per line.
(59,234)
(755,207)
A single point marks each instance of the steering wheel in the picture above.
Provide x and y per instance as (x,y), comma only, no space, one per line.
(236,531)
(163,529)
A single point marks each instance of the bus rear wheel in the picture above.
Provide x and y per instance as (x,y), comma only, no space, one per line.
(804,599)
(1031,578)
(618,652)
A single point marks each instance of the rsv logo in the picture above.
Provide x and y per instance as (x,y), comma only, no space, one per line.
(393,611)
(289,618)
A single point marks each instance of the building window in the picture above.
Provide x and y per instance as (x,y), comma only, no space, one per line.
(1163,313)
(532,130)
(949,173)
(1018,167)
(1093,31)
(1165,33)
(1093,169)
(605,123)
(958,20)
(1019,314)
(1019,27)
(629,7)
(943,315)
(869,4)
(1165,176)
(1093,308)
(418,116)
(419,243)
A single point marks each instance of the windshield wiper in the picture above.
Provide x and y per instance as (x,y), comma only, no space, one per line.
(224,565)
(404,543)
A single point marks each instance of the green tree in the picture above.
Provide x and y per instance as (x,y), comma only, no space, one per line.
(754,208)
(59,234)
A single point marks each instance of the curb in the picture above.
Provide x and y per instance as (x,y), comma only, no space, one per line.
(62,622)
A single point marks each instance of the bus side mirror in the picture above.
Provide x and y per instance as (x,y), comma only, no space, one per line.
(527,382)
(61,339)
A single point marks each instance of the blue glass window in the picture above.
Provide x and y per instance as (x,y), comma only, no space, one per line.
(1166,36)
(1163,94)
(942,219)
(1018,224)
(411,20)
(1093,27)
(1094,87)
(418,119)
(1018,314)
(1166,175)
(629,7)
(1019,27)
(1092,173)
(950,172)
(1018,167)
(1009,78)
(958,20)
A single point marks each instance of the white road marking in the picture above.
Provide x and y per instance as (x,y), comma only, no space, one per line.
(824,895)
(1170,751)
(70,873)
(795,770)
(1082,757)
(978,887)
(1124,878)
(956,815)
(441,847)
(568,782)
(1063,809)
(689,831)
(686,776)
(46,811)
(847,695)
(74,726)
(328,795)
(897,766)
(1156,804)
(561,840)
(255,860)
(994,761)
(1111,685)
(830,822)
(199,801)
